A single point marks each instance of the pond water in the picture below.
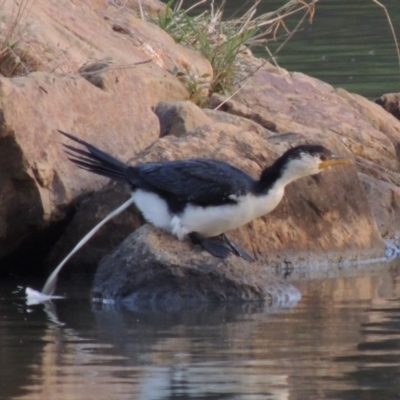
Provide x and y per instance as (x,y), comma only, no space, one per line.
(341,341)
(349,43)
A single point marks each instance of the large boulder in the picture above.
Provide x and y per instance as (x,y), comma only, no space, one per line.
(93,79)
(299,103)
(37,180)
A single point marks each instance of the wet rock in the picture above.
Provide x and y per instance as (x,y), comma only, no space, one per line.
(151,269)
(89,213)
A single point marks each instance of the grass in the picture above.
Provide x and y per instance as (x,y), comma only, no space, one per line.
(224,43)
(14,59)
(391,28)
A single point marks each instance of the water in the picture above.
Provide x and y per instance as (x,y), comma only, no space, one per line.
(349,44)
(341,341)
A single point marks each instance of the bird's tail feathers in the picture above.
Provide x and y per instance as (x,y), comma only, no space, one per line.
(95,160)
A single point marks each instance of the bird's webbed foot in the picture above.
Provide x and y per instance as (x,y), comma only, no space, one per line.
(236,249)
(214,246)
(220,246)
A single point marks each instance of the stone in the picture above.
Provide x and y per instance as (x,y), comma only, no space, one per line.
(385,204)
(242,123)
(90,80)
(151,270)
(60,37)
(391,103)
(89,212)
(180,117)
(239,109)
(299,103)
(38,181)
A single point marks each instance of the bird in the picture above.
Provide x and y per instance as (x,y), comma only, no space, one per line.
(203,198)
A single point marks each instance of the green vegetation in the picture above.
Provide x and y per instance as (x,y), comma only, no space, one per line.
(224,43)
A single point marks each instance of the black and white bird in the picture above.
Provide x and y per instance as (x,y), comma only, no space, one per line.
(204,198)
(198,198)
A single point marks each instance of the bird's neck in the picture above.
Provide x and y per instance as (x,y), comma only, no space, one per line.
(276,176)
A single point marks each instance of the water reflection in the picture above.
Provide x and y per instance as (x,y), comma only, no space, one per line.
(376,360)
(340,342)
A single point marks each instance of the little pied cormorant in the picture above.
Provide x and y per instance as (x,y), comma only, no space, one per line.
(204,198)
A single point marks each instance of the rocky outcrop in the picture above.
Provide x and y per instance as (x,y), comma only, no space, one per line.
(114,84)
(151,270)
(98,100)
(302,104)
(37,180)
(391,103)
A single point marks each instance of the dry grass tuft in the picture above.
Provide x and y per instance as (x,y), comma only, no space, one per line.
(224,43)
(15,59)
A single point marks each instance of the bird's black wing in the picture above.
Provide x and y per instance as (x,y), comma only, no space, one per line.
(199,181)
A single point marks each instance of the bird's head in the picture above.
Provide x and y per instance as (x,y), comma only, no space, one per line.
(307,160)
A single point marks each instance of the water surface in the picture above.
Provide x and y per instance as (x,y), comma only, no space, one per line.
(341,341)
(349,43)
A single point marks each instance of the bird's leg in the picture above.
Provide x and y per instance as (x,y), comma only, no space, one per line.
(215,247)
(236,248)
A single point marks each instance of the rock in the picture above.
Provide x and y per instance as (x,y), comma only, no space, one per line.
(150,269)
(391,103)
(239,122)
(239,109)
(299,103)
(147,6)
(385,205)
(60,37)
(121,77)
(179,118)
(38,181)
(89,213)
(379,120)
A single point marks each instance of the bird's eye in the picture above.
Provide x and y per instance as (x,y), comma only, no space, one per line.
(323,157)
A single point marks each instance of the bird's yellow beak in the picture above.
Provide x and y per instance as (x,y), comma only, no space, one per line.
(335,161)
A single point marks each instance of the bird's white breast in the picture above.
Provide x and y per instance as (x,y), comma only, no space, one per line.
(154,208)
(214,220)
(210,220)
